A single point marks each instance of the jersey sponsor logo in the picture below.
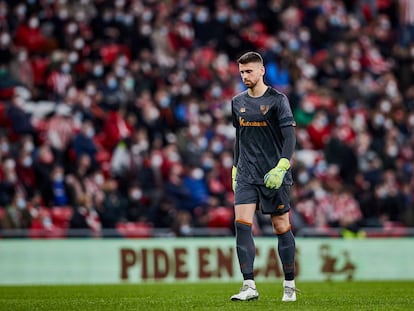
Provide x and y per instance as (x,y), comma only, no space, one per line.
(243,122)
(264,109)
(243,109)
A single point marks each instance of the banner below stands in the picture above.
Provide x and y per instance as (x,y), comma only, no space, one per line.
(135,261)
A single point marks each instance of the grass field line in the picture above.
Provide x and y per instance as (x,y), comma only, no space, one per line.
(397,295)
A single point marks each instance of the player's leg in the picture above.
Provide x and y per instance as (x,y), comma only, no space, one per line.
(286,249)
(244,212)
(246,250)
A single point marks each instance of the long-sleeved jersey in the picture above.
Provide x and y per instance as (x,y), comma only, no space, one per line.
(260,143)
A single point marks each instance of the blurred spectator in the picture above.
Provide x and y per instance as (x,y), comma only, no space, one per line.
(21,69)
(406,22)
(24,166)
(28,34)
(59,189)
(114,129)
(58,80)
(8,180)
(60,131)
(86,218)
(176,190)
(83,142)
(17,215)
(21,122)
(76,179)
(194,181)
(42,165)
(112,207)
(137,207)
(147,88)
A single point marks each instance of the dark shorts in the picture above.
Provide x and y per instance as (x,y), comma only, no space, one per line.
(268,201)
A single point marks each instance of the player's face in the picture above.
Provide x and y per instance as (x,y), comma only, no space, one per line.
(251,74)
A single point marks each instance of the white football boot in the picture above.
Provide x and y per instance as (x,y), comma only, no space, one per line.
(289,291)
(246,293)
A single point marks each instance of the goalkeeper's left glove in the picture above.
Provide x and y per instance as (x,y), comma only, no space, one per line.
(233,177)
(274,178)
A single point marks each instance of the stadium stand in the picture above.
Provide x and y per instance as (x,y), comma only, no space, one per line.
(127,102)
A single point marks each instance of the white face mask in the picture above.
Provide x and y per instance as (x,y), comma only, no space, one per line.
(73,57)
(9,164)
(58,177)
(21,203)
(72,28)
(385,106)
(379,119)
(217,147)
(90,132)
(208,163)
(136,194)
(99,179)
(22,56)
(5,39)
(173,157)
(227,162)
(33,22)
(21,10)
(303,177)
(4,147)
(27,161)
(392,151)
(156,161)
(65,68)
(197,173)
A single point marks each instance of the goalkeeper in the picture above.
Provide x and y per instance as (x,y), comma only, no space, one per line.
(265,142)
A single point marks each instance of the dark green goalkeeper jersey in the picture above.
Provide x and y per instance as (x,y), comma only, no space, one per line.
(259,140)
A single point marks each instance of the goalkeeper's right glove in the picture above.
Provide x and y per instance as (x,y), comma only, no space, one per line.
(274,178)
(233,177)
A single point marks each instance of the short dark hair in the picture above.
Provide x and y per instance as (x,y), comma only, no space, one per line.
(250,57)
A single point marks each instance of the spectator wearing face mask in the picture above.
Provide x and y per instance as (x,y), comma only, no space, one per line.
(16,215)
(24,167)
(21,69)
(60,197)
(60,130)
(29,35)
(83,142)
(112,207)
(5,48)
(137,209)
(42,165)
(59,80)
(21,122)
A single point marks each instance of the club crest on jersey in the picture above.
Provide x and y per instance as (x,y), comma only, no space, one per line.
(243,109)
(264,109)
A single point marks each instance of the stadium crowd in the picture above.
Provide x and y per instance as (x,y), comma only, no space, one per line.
(120,110)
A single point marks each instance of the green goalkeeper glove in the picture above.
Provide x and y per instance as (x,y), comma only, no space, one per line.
(274,178)
(233,177)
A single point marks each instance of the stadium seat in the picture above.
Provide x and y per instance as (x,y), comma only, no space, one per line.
(61,216)
(134,229)
(43,226)
(220,217)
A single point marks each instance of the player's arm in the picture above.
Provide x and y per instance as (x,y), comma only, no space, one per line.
(235,161)
(236,151)
(274,178)
(289,142)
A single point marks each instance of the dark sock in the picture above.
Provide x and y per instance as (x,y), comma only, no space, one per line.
(246,250)
(286,248)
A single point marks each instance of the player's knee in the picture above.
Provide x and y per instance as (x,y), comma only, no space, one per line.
(280,226)
(281,229)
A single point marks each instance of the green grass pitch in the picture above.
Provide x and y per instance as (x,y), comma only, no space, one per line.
(209,296)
